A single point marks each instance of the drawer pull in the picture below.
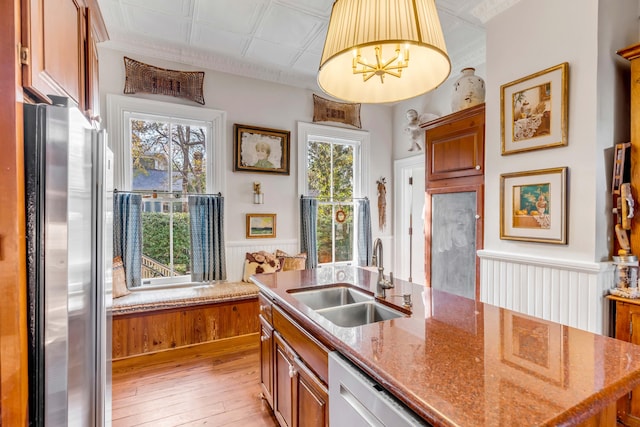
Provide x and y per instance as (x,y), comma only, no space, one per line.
(264,338)
(292,371)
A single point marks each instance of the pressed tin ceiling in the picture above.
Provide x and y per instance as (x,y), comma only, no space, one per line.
(274,40)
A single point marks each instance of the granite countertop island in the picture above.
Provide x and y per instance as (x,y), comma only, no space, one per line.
(459,362)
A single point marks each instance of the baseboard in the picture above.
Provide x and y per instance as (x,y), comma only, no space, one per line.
(207,349)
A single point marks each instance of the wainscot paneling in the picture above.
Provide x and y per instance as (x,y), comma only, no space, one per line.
(236,252)
(563,291)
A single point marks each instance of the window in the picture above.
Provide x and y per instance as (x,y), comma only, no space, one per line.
(166,152)
(332,170)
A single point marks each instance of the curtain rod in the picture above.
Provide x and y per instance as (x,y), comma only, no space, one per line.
(335,201)
(173,193)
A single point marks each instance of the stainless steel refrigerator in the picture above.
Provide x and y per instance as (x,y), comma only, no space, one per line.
(69,206)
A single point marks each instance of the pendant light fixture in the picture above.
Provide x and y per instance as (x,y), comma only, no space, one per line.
(383,50)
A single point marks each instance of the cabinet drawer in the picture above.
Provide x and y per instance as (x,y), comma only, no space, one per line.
(265,308)
(314,354)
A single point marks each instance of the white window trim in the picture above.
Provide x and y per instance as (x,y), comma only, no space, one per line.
(323,132)
(118,106)
(362,141)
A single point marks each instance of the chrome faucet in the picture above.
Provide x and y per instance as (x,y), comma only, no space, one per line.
(381,285)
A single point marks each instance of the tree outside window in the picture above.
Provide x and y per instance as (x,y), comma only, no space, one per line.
(331,178)
(168,161)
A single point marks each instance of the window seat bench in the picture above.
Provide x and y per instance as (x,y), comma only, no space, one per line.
(154,320)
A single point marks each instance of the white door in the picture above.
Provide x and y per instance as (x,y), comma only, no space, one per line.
(409,181)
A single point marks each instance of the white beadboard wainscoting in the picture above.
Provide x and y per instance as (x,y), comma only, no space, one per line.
(563,291)
(236,252)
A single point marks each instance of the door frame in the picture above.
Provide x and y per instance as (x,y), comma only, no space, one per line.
(401,169)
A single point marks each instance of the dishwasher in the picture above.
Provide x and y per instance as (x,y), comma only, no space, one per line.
(355,399)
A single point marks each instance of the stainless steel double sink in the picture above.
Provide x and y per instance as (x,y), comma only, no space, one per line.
(345,306)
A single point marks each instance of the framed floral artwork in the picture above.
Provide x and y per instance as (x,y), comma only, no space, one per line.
(534,111)
(259,149)
(533,206)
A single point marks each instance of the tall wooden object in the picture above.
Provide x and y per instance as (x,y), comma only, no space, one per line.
(454,168)
(13,318)
(632,53)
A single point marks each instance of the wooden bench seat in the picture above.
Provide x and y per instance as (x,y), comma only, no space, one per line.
(150,321)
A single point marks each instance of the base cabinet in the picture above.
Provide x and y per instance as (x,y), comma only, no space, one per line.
(284,382)
(311,397)
(266,360)
(294,387)
(627,328)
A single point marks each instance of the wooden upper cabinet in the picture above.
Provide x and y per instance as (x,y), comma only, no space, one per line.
(54,34)
(455,145)
(95,33)
(59,50)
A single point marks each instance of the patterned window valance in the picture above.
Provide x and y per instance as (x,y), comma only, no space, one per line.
(141,77)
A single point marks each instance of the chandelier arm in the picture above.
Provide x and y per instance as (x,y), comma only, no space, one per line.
(367,65)
(366,77)
(393,74)
(378,50)
(392,60)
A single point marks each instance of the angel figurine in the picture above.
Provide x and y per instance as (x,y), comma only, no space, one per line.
(413,130)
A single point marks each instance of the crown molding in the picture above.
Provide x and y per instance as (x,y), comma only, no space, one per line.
(474,56)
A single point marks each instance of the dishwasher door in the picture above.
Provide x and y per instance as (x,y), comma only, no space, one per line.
(357,400)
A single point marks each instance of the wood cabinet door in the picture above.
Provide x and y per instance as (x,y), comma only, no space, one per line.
(628,329)
(92,89)
(54,32)
(453,235)
(266,360)
(312,398)
(455,145)
(283,382)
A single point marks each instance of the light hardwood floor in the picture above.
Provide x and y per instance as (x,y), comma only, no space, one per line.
(200,386)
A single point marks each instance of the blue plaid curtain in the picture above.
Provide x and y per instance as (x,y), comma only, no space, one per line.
(364,233)
(127,235)
(206,215)
(309,230)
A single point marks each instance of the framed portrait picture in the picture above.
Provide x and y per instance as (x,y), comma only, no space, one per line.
(533,206)
(260,225)
(534,111)
(260,149)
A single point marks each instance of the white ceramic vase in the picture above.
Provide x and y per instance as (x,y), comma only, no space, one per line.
(468,90)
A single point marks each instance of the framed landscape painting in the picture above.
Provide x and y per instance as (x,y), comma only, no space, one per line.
(261,225)
(533,206)
(534,111)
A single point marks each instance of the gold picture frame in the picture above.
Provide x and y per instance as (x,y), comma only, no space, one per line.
(262,150)
(534,206)
(261,226)
(534,111)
